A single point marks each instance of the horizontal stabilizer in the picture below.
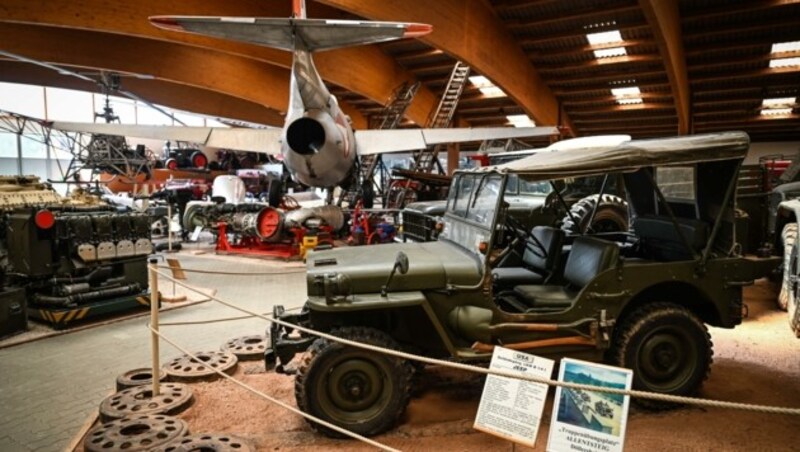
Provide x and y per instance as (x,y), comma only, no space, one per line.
(385,141)
(313,34)
(265,141)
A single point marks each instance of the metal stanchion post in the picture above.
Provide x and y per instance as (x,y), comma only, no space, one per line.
(153,281)
(169,226)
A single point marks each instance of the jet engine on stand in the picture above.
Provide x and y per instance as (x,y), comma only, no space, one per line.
(268,231)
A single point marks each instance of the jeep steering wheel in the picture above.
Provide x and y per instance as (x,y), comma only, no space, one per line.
(521,233)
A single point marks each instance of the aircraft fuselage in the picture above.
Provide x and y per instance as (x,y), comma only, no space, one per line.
(318,144)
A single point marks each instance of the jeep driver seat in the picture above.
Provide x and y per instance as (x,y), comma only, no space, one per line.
(537,263)
(588,258)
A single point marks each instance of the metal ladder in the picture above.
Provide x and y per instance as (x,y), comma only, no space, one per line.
(427,160)
(389,118)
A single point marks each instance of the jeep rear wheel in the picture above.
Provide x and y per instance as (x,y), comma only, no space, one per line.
(794,318)
(667,347)
(788,285)
(611,215)
(359,390)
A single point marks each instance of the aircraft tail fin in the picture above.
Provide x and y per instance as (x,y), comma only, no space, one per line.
(294,33)
(299,9)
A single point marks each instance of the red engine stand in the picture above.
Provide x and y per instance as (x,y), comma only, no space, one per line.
(253,246)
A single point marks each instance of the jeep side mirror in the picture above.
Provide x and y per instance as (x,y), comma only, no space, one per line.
(400,263)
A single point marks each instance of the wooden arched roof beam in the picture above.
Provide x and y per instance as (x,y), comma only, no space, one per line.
(470,31)
(182,97)
(375,77)
(664,19)
(212,70)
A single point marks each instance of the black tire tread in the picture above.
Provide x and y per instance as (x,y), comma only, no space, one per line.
(636,321)
(789,241)
(372,336)
(581,210)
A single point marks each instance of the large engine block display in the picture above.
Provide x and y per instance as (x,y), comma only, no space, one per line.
(73,260)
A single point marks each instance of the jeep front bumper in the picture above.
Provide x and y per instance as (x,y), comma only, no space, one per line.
(285,342)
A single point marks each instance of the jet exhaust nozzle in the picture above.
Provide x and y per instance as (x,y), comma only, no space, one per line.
(305,136)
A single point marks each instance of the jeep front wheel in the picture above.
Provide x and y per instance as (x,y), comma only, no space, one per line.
(359,390)
(789,239)
(667,347)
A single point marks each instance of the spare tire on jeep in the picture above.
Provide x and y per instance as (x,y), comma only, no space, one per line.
(611,215)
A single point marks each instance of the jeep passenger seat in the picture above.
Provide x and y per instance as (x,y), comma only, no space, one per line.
(538,263)
(589,257)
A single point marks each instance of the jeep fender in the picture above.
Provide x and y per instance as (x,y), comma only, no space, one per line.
(389,314)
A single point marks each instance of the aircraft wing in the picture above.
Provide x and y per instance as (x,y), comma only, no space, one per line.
(265,141)
(385,141)
(316,34)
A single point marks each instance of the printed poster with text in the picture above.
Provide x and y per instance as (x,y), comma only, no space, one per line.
(512,408)
(589,421)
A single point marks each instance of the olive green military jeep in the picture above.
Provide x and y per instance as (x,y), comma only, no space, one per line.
(639,299)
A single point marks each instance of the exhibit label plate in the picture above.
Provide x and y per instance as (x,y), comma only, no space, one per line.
(512,408)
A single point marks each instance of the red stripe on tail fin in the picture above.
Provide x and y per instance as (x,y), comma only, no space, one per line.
(417,30)
(165,22)
(299,9)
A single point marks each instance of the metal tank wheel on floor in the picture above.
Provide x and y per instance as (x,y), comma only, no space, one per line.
(135,433)
(186,368)
(247,348)
(138,377)
(207,442)
(172,399)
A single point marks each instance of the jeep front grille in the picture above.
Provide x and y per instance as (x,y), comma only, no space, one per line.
(418,227)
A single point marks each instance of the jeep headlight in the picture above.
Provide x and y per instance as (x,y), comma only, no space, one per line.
(335,286)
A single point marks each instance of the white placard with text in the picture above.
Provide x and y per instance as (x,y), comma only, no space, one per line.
(589,421)
(512,408)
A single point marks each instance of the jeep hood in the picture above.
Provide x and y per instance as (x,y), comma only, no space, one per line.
(435,208)
(432,265)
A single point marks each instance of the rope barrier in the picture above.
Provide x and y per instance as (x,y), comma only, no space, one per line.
(213,272)
(220,320)
(272,399)
(502,373)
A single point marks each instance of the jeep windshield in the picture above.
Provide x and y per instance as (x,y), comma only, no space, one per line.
(471,209)
(517,187)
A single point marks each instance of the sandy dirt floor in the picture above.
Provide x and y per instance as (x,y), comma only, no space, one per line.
(759,362)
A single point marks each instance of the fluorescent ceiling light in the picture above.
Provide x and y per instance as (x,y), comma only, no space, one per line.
(612,52)
(479,81)
(604,37)
(627,91)
(486,87)
(520,121)
(778,102)
(776,111)
(492,91)
(790,46)
(627,95)
(784,62)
